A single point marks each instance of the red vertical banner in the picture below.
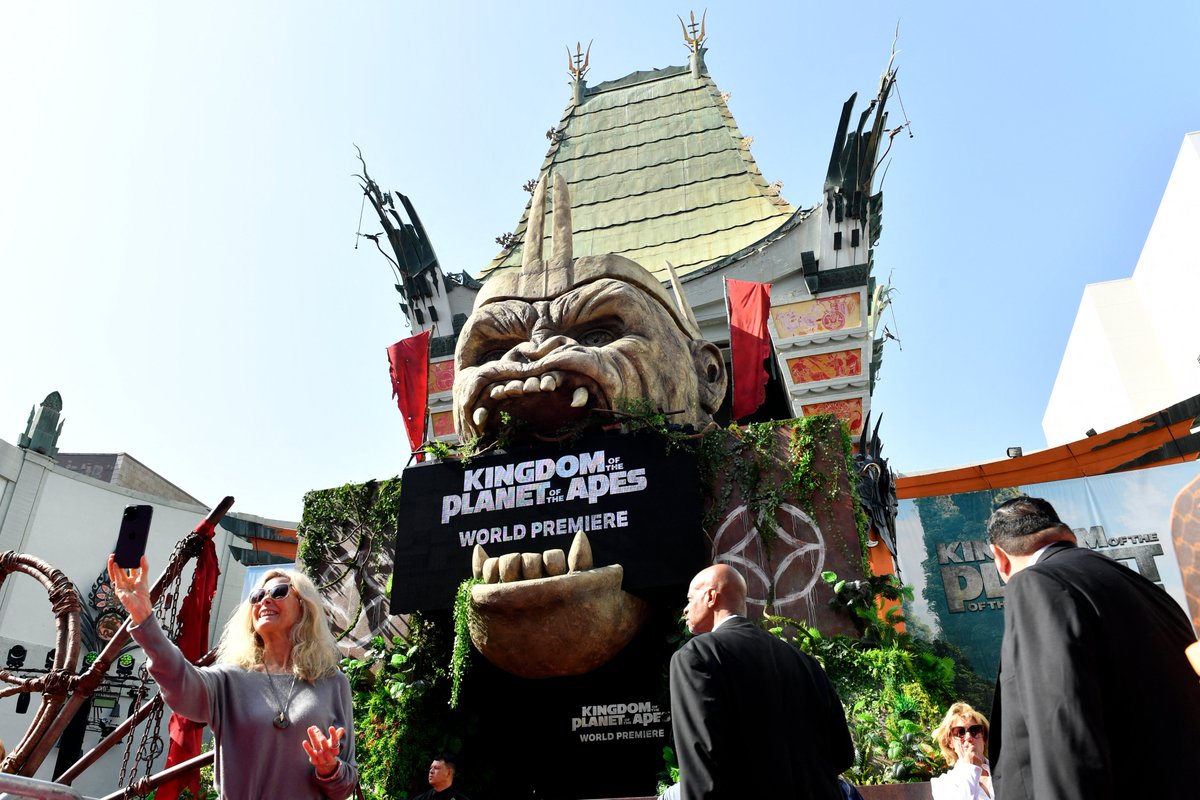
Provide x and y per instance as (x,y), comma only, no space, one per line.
(408,360)
(749,343)
(193,643)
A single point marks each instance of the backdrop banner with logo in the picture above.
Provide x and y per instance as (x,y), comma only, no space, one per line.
(959,597)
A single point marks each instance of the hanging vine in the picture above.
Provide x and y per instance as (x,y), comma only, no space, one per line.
(460,656)
(807,461)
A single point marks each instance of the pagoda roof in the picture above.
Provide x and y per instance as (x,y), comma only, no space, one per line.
(658,171)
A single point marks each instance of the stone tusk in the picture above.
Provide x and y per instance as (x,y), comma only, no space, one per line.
(580,557)
(480,416)
(580,398)
(478,557)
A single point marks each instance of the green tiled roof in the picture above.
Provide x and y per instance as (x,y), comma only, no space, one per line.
(658,171)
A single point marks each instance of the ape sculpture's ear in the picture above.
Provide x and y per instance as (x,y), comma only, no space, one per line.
(710,374)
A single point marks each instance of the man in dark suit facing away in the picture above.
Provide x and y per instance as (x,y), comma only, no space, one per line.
(753,717)
(1095,697)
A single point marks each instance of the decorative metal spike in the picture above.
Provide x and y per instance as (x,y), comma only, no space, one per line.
(694,41)
(577,62)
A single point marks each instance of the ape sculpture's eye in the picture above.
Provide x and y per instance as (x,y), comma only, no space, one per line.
(597,337)
(495,354)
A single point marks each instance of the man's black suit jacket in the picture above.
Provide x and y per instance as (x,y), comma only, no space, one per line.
(1095,697)
(753,717)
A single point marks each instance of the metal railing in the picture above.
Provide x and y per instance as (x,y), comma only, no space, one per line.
(14,786)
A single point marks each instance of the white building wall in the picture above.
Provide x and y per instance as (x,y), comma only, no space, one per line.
(1134,348)
(1169,269)
(71,521)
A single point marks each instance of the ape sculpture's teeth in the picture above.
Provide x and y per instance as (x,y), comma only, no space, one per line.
(515,567)
(480,416)
(580,398)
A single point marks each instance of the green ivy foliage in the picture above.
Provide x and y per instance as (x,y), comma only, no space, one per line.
(817,457)
(400,710)
(350,517)
(460,657)
(895,687)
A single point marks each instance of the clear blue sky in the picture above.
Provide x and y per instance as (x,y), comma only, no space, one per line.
(178,216)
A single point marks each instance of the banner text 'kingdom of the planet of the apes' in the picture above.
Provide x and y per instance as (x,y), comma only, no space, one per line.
(638,505)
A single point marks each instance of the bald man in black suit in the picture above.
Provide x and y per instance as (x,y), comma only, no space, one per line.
(753,717)
(1095,697)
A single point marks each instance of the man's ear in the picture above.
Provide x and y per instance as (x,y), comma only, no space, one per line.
(710,374)
(1003,562)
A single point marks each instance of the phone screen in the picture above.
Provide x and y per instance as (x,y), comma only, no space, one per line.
(131,541)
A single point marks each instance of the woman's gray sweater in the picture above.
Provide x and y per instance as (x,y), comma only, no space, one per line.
(255,759)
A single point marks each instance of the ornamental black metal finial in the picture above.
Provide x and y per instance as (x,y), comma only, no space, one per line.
(693,39)
(577,62)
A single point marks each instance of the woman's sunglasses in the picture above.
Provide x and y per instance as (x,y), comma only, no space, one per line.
(958,731)
(278,591)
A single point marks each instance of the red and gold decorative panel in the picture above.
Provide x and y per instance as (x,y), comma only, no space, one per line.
(826,366)
(848,410)
(443,422)
(820,315)
(441,376)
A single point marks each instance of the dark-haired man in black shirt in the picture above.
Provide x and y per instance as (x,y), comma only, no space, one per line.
(441,779)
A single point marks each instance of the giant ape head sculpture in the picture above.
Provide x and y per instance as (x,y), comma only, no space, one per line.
(557,339)
(550,343)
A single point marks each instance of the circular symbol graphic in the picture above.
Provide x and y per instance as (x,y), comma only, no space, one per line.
(798,539)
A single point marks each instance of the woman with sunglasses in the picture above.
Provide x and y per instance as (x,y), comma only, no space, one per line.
(278,705)
(963,737)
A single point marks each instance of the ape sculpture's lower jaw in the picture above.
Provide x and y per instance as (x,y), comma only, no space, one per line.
(565,623)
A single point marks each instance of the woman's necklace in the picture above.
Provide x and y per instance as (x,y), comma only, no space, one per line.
(281,719)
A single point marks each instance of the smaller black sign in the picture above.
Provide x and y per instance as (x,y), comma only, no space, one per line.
(638,505)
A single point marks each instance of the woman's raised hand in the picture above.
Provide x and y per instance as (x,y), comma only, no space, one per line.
(966,750)
(132,588)
(323,751)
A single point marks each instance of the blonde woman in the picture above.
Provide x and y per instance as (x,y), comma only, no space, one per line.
(963,738)
(278,705)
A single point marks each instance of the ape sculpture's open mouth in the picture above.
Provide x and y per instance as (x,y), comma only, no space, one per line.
(544,615)
(547,401)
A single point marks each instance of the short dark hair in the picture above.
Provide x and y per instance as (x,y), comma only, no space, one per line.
(1024,524)
(449,760)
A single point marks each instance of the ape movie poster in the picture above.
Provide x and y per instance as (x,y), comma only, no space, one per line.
(958,595)
(638,505)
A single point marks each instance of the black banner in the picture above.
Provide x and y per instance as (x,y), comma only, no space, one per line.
(638,504)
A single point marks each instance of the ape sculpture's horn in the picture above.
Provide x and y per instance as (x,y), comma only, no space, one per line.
(561,238)
(545,279)
(555,275)
(531,256)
